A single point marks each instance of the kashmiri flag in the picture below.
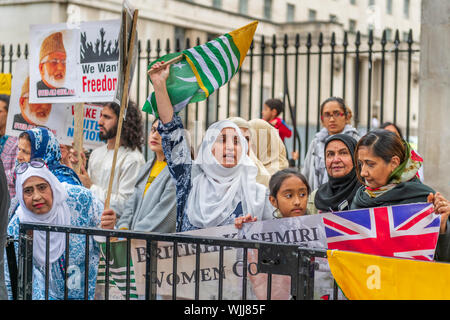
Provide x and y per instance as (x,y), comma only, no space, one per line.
(204,68)
(117,269)
(370,277)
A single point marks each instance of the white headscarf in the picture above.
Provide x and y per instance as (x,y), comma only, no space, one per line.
(59,214)
(216,190)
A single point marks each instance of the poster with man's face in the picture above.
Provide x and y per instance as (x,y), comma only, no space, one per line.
(24,115)
(57,117)
(70,64)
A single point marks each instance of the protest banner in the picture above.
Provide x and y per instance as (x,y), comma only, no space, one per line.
(413,225)
(305,231)
(5,83)
(76,64)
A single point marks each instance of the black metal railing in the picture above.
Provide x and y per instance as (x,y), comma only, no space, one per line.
(284,259)
(302,70)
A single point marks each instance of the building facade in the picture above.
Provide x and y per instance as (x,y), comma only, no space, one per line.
(304,51)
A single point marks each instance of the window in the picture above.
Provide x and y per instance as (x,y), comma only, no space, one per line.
(333,18)
(406,8)
(243,6)
(217,4)
(371,3)
(290,12)
(353,2)
(405,36)
(388,34)
(180,34)
(352,25)
(389,6)
(312,14)
(268,9)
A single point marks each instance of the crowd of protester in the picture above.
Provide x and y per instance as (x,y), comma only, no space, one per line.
(240,174)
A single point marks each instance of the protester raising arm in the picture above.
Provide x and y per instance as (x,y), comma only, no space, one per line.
(220,184)
(174,141)
(159,78)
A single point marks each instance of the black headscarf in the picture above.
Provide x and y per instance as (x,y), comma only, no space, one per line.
(337,194)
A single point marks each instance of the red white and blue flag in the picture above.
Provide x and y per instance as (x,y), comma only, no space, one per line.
(405,231)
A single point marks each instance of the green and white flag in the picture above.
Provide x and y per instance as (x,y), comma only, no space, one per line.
(117,269)
(204,68)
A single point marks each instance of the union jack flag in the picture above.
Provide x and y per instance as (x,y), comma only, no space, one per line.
(406,231)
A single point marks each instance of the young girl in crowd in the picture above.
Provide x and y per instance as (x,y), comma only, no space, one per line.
(289,191)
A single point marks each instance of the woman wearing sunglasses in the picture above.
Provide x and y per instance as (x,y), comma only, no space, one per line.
(44,199)
(334,117)
(42,143)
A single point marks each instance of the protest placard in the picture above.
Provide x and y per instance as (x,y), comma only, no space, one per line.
(91,129)
(24,115)
(57,117)
(71,64)
(124,42)
(307,231)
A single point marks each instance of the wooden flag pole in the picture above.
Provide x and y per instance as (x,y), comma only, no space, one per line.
(78,134)
(173,60)
(123,107)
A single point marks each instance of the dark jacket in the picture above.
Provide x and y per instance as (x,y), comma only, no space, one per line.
(4,205)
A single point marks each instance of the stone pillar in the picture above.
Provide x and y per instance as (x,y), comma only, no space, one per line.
(434,103)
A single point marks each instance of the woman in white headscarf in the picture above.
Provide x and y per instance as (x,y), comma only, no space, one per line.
(220,184)
(44,199)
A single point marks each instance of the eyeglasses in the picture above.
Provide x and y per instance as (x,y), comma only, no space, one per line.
(55,62)
(35,163)
(335,114)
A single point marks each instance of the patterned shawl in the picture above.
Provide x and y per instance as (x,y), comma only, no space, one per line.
(44,145)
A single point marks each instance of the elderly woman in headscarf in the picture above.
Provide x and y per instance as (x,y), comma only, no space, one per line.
(337,194)
(42,143)
(334,116)
(220,184)
(270,149)
(44,199)
(263,176)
